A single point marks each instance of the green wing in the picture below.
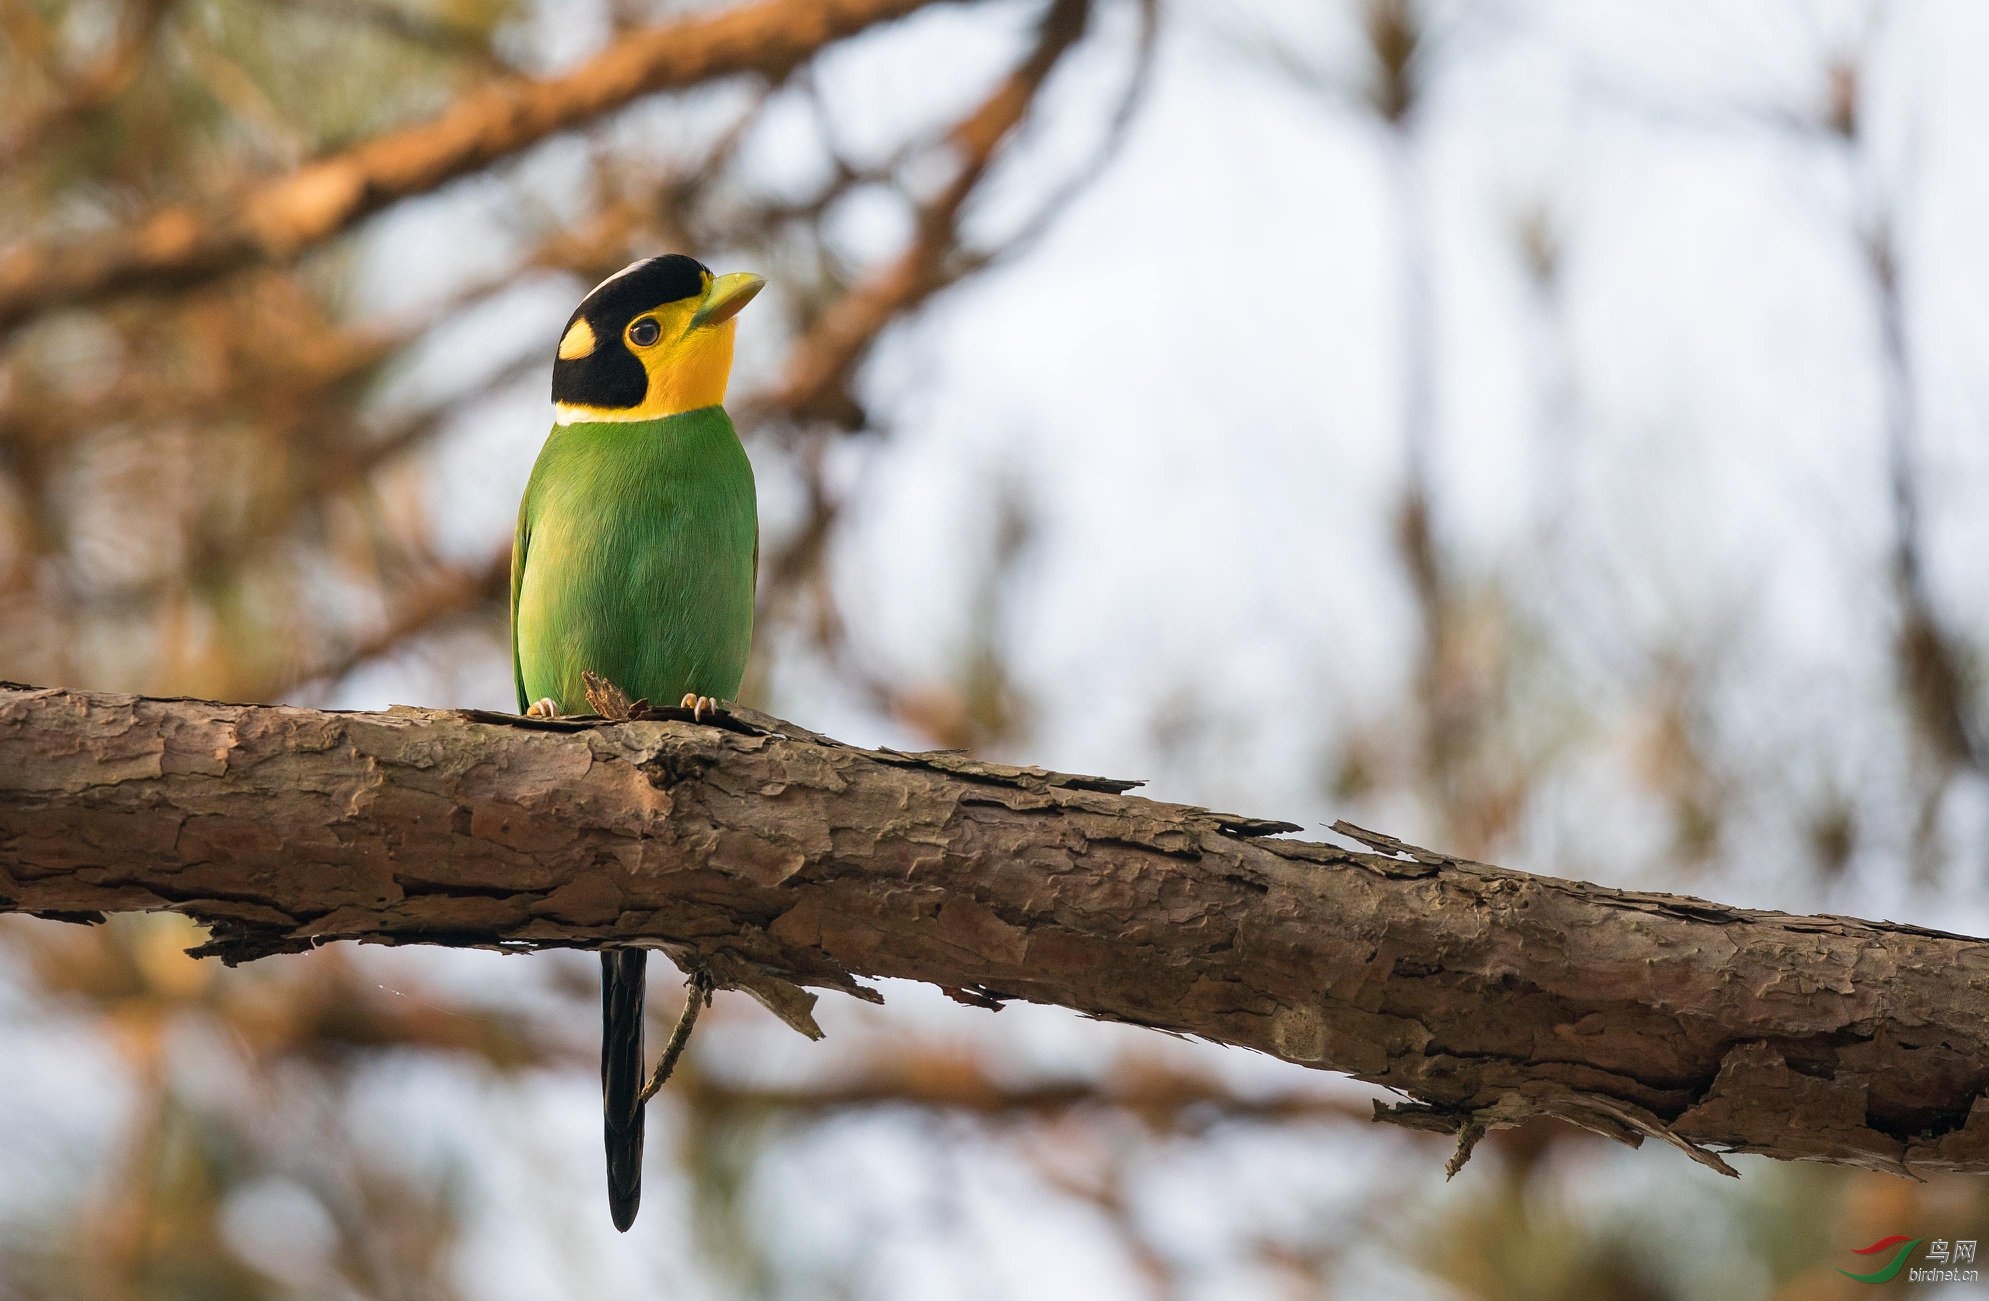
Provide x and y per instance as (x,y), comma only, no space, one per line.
(521,541)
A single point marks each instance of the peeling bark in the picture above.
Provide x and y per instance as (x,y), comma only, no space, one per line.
(781,859)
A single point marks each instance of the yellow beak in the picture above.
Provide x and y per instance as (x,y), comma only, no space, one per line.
(728,293)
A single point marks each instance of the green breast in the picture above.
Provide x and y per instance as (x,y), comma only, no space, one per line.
(635,558)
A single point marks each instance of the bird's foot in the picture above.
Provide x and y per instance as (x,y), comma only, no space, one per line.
(701,707)
(543,707)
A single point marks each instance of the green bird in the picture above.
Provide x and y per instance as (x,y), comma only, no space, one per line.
(635,559)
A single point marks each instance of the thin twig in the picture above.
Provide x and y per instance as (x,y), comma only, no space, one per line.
(698,982)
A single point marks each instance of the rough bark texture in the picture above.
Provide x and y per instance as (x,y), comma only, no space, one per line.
(779,858)
(187,245)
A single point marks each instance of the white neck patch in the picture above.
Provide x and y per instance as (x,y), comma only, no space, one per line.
(569,413)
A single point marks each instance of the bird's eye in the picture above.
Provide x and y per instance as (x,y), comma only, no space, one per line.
(645,332)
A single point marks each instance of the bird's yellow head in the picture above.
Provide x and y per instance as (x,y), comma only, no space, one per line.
(651,340)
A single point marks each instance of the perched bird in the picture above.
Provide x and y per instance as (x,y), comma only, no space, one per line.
(635,559)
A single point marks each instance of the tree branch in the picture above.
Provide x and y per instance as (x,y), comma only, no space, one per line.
(186,245)
(779,858)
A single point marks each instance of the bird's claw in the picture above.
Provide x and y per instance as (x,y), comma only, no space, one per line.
(543,707)
(701,707)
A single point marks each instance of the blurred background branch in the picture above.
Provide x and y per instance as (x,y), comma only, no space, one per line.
(184,247)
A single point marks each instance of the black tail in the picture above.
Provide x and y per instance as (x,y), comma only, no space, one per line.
(622,1078)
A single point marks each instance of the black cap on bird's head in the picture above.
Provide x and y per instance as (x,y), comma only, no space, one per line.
(651,340)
